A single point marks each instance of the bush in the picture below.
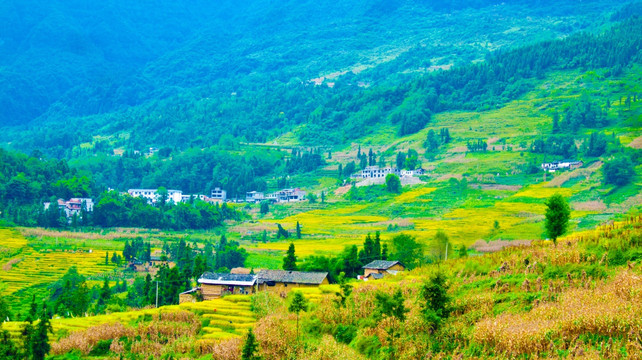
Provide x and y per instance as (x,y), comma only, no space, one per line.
(618,171)
(345,333)
(367,345)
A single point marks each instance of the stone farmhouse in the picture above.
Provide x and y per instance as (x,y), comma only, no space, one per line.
(73,206)
(564,164)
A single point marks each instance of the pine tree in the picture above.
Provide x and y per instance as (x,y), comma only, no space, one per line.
(250,347)
(289,261)
(298,230)
(384,252)
(40,341)
(377,246)
(107,258)
(340,171)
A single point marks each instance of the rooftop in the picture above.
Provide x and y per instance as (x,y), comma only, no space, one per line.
(382,264)
(227,279)
(295,277)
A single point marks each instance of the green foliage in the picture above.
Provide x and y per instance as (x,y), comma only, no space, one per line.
(441,245)
(345,333)
(265,207)
(289,261)
(250,347)
(8,349)
(557,215)
(393,184)
(618,171)
(281,232)
(407,250)
(391,305)
(435,300)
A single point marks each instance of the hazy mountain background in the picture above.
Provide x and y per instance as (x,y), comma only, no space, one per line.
(165,73)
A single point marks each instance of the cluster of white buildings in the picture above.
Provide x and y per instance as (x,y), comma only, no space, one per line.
(281,196)
(377,172)
(177,196)
(559,165)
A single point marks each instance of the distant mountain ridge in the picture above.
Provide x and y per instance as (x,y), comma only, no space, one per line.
(73,69)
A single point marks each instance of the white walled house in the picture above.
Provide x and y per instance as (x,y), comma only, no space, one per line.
(151,195)
(254,196)
(219,194)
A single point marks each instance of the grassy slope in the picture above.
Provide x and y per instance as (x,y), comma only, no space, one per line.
(497,188)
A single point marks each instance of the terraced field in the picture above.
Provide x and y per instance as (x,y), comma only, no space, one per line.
(230,316)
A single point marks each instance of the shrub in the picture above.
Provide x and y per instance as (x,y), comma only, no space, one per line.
(345,333)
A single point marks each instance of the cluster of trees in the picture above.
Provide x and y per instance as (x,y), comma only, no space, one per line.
(477,146)
(114,209)
(408,160)
(35,338)
(434,141)
(138,249)
(26,181)
(304,161)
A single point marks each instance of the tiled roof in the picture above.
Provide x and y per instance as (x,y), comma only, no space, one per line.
(382,264)
(293,277)
(227,279)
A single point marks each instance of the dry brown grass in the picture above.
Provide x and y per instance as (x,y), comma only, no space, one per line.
(497,245)
(613,309)
(596,205)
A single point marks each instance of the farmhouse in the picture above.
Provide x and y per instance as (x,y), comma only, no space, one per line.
(379,268)
(215,285)
(282,280)
(564,164)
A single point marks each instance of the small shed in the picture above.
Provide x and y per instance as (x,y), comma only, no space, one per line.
(383,267)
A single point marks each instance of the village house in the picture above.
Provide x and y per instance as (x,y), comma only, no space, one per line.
(152,196)
(288,195)
(73,206)
(218,194)
(377,269)
(375,172)
(215,285)
(186,198)
(254,196)
(564,164)
(282,281)
(411,173)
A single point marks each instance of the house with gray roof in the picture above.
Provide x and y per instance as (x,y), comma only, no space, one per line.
(382,268)
(283,281)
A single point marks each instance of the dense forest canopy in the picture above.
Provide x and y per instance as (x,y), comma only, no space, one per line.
(118,80)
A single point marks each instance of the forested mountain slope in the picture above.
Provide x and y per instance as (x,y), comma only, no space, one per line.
(134,75)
